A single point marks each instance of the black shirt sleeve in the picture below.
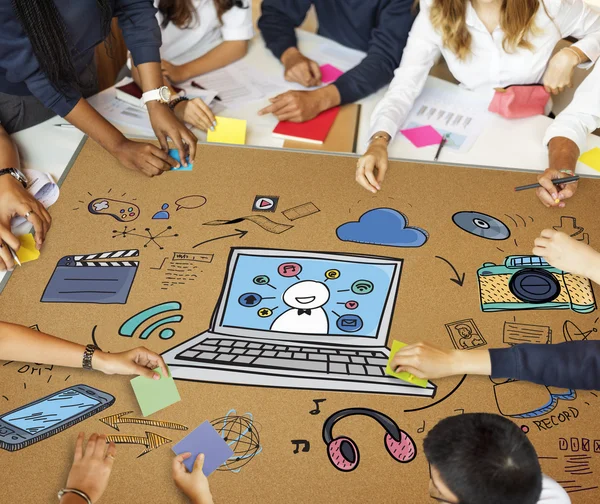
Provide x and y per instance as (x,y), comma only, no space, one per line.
(574,364)
(137,20)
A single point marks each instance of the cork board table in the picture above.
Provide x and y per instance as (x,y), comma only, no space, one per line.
(182,273)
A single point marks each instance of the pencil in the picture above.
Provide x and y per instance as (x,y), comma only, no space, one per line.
(565,180)
(442,143)
(196,85)
(12,252)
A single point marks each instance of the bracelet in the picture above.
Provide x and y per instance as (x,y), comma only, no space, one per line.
(575,53)
(177,100)
(568,172)
(87,356)
(378,136)
(81,494)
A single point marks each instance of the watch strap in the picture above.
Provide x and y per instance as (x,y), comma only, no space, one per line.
(16,173)
(87,356)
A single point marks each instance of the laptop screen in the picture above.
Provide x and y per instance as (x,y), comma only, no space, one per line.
(312,294)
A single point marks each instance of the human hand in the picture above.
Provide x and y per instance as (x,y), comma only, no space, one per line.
(165,124)
(92,466)
(193,484)
(300,69)
(568,254)
(144,157)
(295,106)
(549,193)
(174,73)
(7,239)
(137,361)
(559,72)
(427,361)
(372,166)
(16,200)
(197,113)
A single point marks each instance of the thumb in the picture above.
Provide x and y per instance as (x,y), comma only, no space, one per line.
(145,372)
(199,463)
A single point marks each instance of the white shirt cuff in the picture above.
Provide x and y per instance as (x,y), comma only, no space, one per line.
(566,128)
(591,48)
(386,125)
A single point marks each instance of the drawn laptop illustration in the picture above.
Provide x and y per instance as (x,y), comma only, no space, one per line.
(295,319)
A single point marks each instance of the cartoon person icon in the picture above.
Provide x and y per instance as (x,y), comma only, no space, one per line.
(466,337)
(306,314)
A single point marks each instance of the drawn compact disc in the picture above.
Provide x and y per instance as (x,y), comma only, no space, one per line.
(482,225)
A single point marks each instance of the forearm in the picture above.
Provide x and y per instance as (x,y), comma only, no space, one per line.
(135,74)
(9,156)
(225,53)
(563,154)
(473,362)
(328,97)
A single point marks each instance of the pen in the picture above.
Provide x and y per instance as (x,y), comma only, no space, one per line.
(565,180)
(196,85)
(12,252)
(65,125)
(437,154)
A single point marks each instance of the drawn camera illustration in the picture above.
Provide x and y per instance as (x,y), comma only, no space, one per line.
(530,283)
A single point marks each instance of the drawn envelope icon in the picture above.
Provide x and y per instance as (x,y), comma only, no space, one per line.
(349,322)
(102,278)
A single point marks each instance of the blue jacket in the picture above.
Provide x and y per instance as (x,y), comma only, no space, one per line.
(575,364)
(20,73)
(378,27)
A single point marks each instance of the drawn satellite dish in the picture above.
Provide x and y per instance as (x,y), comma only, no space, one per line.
(482,225)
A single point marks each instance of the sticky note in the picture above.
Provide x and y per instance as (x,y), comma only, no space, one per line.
(329,73)
(154,395)
(403,375)
(174,153)
(27,252)
(422,136)
(591,158)
(204,439)
(227,130)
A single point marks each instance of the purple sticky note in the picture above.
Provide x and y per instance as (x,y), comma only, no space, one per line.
(422,136)
(204,439)
(329,73)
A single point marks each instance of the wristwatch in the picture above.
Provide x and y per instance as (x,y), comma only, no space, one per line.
(15,172)
(162,95)
(87,356)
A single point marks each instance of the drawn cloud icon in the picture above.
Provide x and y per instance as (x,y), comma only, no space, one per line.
(383,226)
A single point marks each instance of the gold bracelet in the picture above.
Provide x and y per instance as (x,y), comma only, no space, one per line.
(579,61)
(378,136)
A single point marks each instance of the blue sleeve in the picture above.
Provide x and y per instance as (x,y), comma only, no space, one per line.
(278,20)
(386,45)
(574,364)
(137,20)
(19,64)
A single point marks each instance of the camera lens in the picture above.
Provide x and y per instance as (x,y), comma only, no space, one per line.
(534,286)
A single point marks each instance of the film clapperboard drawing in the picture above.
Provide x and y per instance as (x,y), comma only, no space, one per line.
(101,278)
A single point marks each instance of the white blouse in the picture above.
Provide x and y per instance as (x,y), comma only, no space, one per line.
(205,32)
(488,66)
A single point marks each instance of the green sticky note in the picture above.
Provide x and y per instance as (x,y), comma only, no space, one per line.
(154,395)
(403,375)
(591,158)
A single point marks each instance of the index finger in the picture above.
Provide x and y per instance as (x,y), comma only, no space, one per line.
(274,107)
(206,109)
(163,156)
(78,447)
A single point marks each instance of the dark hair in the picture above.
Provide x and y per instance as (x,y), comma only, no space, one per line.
(483,457)
(49,38)
(182,12)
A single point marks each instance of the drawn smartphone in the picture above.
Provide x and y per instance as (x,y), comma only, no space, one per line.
(49,415)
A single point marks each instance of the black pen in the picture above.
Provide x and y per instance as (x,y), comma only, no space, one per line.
(196,85)
(558,181)
(442,143)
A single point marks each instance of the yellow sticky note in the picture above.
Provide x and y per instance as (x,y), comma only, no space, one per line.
(403,375)
(227,130)
(591,158)
(27,252)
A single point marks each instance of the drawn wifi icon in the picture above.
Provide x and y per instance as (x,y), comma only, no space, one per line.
(131,325)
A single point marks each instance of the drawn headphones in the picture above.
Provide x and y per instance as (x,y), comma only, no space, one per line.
(343,452)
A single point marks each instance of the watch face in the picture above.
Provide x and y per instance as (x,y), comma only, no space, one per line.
(165,94)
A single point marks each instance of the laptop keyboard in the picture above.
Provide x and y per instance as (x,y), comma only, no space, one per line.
(301,358)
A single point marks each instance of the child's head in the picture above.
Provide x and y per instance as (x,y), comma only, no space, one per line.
(482,458)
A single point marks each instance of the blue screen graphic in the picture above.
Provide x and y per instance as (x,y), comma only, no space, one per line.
(54,410)
(358,292)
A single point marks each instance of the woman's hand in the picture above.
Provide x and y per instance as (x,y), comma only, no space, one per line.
(197,113)
(372,166)
(144,157)
(559,72)
(138,361)
(193,484)
(550,193)
(92,466)
(166,125)
(174,73)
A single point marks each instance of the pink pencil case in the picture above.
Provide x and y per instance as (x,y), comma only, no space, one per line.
(516,102)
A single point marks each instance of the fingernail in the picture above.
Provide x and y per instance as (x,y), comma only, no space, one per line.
(212,128)
(156,376)
(215,122)
(554,195)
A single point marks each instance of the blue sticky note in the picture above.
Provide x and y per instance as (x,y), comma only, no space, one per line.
(174,153)
(204,439)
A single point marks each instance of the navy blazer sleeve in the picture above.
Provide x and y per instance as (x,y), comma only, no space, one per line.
(387,43)
(137,20)
(574,364)
(278,20)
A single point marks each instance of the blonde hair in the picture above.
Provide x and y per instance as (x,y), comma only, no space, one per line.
(516,20)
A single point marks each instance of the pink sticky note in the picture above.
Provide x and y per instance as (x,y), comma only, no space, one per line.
(329,73)
(422,136)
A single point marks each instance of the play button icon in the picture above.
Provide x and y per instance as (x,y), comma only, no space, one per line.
(265,203)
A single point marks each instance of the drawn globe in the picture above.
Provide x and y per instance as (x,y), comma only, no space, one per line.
(240,433)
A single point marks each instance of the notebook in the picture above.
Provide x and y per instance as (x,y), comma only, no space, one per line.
(313,131)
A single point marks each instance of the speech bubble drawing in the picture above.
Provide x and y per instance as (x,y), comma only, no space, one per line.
(190,202)
(289,269)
